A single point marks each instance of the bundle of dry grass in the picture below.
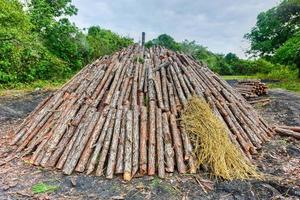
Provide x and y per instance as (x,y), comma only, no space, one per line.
(212,146)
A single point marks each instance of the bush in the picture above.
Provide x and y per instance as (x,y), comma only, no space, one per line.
(282,73)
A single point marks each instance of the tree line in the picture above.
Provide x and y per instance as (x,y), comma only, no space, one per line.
(275,46)
(38,41)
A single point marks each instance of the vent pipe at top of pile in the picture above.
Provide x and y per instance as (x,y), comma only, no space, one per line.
(143,38)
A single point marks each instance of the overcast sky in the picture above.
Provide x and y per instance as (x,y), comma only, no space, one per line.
(216,24)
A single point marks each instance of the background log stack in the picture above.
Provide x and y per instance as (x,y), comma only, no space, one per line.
(250,88)
(121,115)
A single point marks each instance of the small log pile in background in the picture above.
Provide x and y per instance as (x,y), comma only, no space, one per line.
(120,115)
(250,88)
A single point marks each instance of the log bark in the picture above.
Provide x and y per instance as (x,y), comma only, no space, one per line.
(128,147)
(169,151)
(106,143)
(160,145)
(152,139)
(293,128)
(143,140)
(135,141)
(177,145)
(99,144)
(90,145)
(80,143)
(121,145)
(286,132)
(114,146)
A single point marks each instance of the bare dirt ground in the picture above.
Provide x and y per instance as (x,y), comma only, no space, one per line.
(279,160)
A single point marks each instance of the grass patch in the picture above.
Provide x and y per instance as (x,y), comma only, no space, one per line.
(239,77)
(292,85)
(157,183)
(43,188)
(21,88)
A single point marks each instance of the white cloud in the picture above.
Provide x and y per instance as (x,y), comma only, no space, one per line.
(217,24)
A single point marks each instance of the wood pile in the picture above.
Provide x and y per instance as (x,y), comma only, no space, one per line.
(121,115)
(250,88)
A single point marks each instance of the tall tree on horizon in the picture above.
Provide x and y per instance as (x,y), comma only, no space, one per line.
(276,34)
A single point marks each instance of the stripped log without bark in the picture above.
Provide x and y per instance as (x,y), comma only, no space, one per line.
(121,115)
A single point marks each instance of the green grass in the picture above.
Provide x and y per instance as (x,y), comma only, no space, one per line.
(158,183)
(292,85)
(239,77)
(21,88)
(43,188)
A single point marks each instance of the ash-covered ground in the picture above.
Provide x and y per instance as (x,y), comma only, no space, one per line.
(279,159)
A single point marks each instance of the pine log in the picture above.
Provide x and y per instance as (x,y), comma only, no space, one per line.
(177,145)
(143,140)
(169,151)
(293,128)
(152,139)
(160,145)
(106,143)
(121,144)
(135,141)
(99,144)
(90,145)
(128,147)
(114,146)
(80,143)
(287,132)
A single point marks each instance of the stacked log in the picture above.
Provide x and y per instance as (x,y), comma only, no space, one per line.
(290,131)
(121,115)
(250,88)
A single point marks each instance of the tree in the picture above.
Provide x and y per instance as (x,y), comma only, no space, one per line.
(65,41)
(165,41)
(289,52)
(22,55)
(60,36)
(104,42)
(274,27)
(44,12)
(231,58)
(40,43)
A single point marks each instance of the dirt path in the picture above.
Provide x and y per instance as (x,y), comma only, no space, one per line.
(280,159)
(283,109)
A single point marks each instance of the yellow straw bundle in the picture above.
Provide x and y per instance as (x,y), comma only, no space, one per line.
(212,146)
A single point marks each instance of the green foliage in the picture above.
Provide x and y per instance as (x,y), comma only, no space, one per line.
(276,35)
(166,41)
(292,85)
(231,64)
(104,42)
(44,12)
(274,27)
(283,73)
(22,55)
(43,188)
(42,44)
(289,52)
